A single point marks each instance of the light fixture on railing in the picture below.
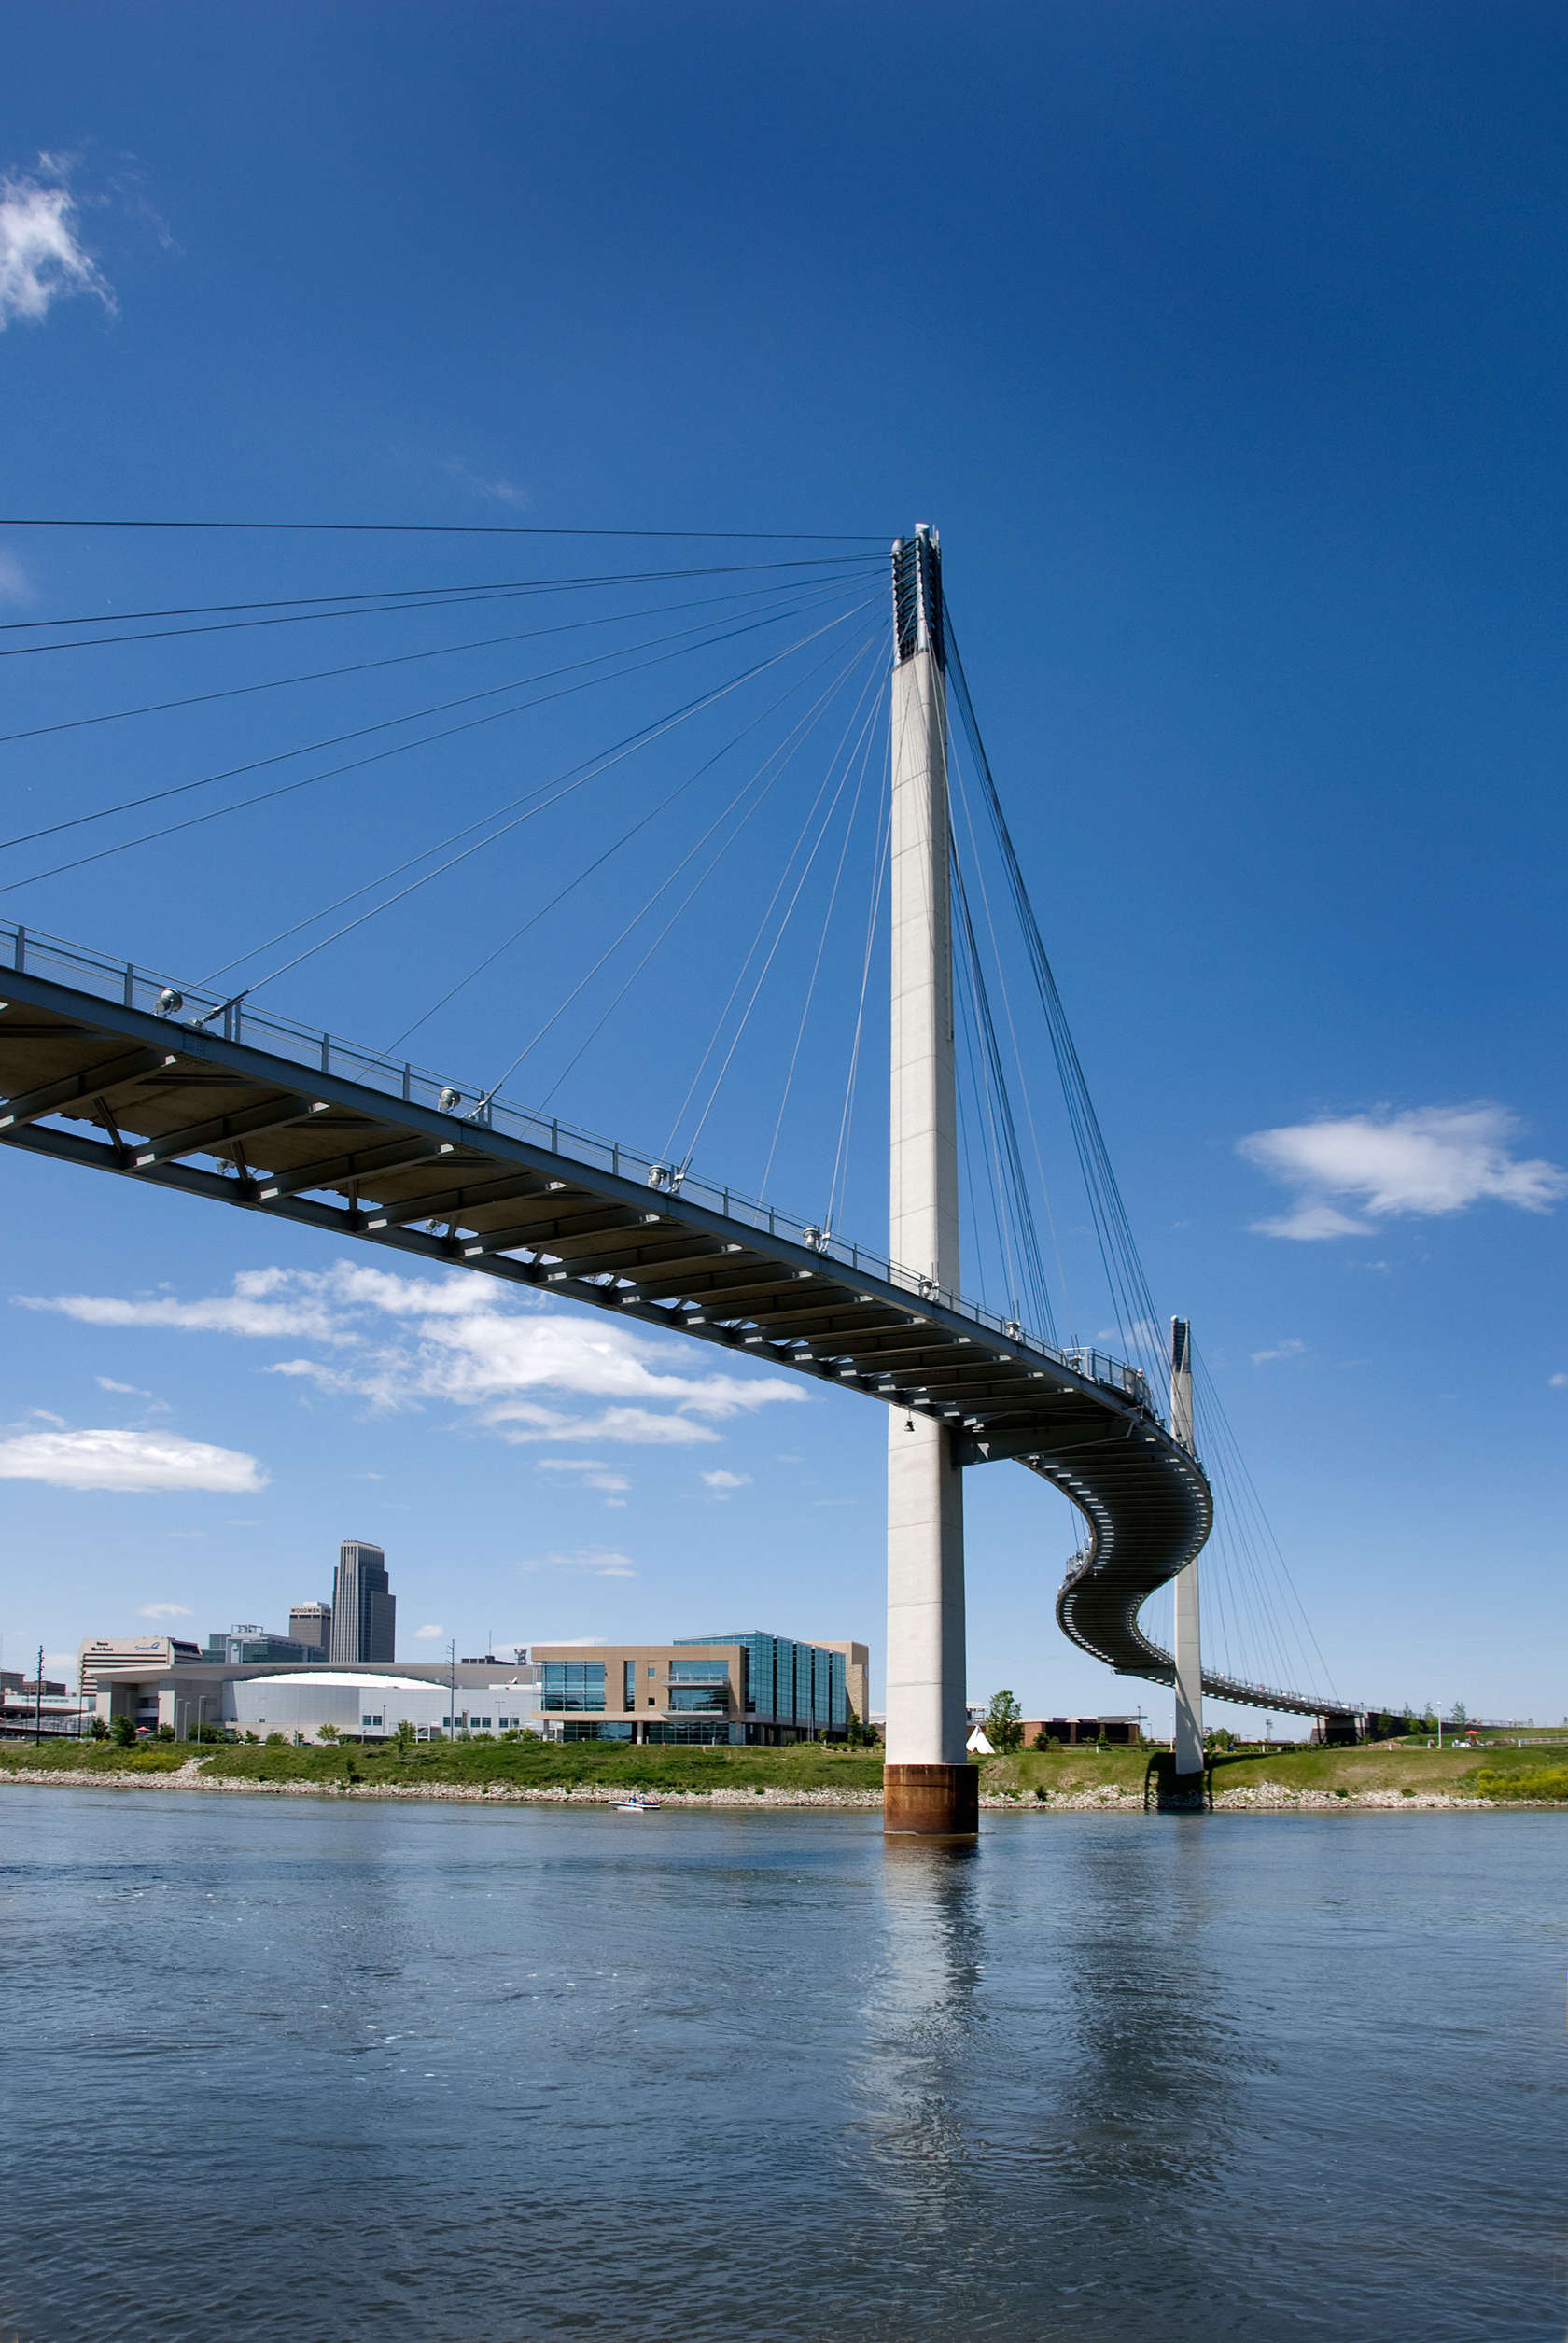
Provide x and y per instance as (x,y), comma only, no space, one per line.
(170,1002)
(448,1099)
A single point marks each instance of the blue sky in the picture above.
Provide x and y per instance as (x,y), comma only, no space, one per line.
(1225,344)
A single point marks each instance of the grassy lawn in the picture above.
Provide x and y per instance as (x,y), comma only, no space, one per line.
(1057,1769)
(542,1765)
(93,1757)
(1539,1770)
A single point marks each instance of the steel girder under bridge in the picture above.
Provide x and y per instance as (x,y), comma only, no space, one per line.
(102,1065)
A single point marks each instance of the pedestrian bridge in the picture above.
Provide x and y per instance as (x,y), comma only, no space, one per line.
(112,1068)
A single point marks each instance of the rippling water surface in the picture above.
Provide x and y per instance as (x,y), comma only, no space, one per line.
(321,2073)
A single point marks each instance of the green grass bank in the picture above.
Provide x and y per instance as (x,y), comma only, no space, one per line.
(1536,1772)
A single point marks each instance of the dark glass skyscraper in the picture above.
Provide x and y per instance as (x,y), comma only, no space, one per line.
(364,1609)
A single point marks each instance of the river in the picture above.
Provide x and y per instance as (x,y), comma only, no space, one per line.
(316,2072)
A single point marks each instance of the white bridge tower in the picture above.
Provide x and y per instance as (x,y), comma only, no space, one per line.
(930,1785)
(1189,1651)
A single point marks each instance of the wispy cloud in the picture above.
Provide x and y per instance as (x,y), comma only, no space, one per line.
(1351,1171)
(598,1562)
(131,1462)
(432,1634)
(723,1483)
(165,1610)
(1558,1383)
(1291,1347)
(15,585)
(595,1475)
(399,1342)
(495,488)
(42,256)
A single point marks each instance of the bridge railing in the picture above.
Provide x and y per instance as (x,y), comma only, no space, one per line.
(29,950)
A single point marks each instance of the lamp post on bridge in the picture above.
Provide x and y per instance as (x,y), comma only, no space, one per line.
(1188,1678)
(928,1785)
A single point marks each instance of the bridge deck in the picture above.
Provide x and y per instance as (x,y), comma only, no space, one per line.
(109,1083)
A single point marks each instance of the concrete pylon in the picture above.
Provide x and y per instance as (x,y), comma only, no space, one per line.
(929,1786)
(1189,1648)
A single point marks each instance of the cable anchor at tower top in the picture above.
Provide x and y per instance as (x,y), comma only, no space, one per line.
(917,594)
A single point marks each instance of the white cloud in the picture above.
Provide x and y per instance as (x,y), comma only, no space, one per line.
(1429,1160)
(165,1610)
(1291,1347)
(498,490)
(723,1483)
(402,1341)
(15,585)
(638,1427)
(429,1634)
(130,1461)
(42,259)
(595,1475)
(1558,1383)
(599,1561)
(246,1310)
(406,1341)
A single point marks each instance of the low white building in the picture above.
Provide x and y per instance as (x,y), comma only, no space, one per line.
(373,1703)
(154,1680)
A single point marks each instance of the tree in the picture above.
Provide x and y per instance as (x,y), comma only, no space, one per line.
(326,1732)
(125,1733)
(1004,1723)
(405,1735)
(100,1730)
(1460,1715)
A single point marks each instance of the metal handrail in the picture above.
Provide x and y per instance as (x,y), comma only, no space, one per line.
(133,987)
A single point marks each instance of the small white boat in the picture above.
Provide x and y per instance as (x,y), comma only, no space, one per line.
(637,1806)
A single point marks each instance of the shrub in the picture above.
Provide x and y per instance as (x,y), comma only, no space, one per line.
(1544,1782)
(100,1730)
(275,1741)
(123,1732)
(326,1732)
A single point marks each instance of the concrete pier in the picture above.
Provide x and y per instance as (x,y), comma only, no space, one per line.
(929,1786)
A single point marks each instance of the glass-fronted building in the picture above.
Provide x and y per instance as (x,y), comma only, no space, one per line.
(741,1687)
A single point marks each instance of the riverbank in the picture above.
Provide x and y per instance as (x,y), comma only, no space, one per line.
(1067,1781)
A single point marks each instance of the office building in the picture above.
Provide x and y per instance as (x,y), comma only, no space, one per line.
(857,1674)
(310,1626)
(242,1644)
(747,1688)
(364,1609)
